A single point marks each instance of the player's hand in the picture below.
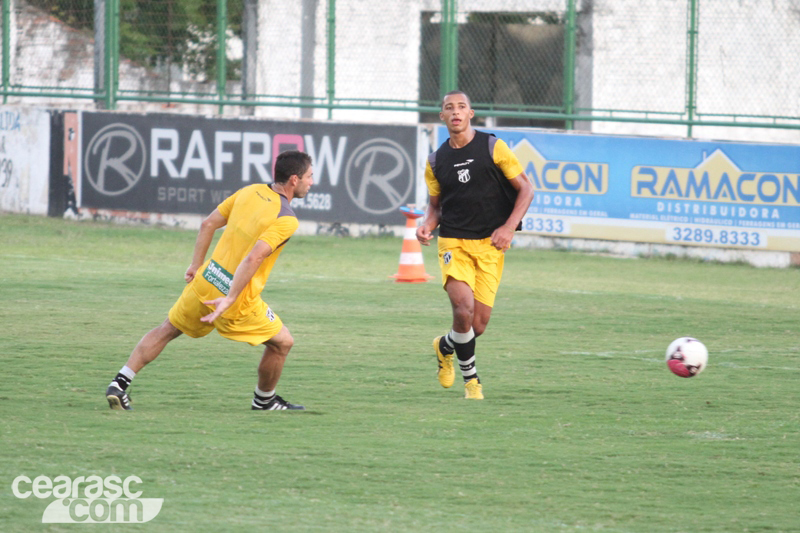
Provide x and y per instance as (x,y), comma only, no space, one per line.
(220,305)
(424,236)
(190,273)
(501,238)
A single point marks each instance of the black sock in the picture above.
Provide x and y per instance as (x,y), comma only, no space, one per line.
(122,381)
(446,345)
(466,359)
(260,401)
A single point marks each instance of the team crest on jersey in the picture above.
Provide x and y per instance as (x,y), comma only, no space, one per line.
(270,315)
(463,175)
(447,257)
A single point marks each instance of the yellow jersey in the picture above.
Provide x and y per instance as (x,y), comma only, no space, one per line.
(253,213)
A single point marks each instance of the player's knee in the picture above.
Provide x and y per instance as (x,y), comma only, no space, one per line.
(463,312)
(482,315)
(283,341)
(289,342)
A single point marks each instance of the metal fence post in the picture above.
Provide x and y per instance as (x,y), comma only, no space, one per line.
(109,45)
(331,89)
(250,60)
(6,48)
(115,43)
(308,33)
(691,61)
(448,66)
(569,64)
(222,74)
(100,51)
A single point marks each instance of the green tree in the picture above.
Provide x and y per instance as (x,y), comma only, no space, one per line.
(158,32)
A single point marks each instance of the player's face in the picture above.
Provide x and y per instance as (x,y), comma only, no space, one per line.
(456,113)
(304,183)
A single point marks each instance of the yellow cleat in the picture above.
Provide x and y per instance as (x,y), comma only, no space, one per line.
(446,372)
(474,390)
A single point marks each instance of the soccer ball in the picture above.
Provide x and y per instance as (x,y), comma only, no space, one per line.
(687,357)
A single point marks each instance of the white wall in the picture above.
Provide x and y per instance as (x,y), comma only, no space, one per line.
(638,55)
(376,55)
(638,62)
(24,160)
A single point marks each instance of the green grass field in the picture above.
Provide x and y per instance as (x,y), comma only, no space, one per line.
(583,427)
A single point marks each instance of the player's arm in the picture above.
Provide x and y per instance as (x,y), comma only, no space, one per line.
(501,237)
(210,224)
(433,213)
(241,277)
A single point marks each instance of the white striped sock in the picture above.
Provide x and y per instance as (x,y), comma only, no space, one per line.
(268,394)
(468,369)
(127,372)
(462,338)
(261,398)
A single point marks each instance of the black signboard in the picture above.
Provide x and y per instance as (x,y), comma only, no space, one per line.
(181,164)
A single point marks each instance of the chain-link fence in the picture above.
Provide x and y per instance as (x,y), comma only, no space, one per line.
(46,48)
(601,65)
(744,58)
(175,42)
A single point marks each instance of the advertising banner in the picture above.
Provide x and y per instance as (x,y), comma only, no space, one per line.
(183,164)
(24,160)
(716,194)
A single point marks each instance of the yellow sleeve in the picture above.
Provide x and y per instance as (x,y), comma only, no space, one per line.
(226,206)
(430,180)
(279,231)
(505,159)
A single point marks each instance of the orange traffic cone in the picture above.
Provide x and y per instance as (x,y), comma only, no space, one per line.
(412,268)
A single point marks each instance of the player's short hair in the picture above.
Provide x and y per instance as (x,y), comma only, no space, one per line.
(451,93)
(291,163)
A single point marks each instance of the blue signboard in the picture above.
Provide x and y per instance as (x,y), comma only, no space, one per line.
(724,194)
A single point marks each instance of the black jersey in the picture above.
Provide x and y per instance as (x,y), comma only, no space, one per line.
(475,195)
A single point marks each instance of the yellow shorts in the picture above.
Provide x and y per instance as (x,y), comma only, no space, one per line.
(475,262)
(255,328)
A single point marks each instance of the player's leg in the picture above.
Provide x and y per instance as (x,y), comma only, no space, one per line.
(482,314)
(461,301)
(146,350)
(457,276)
(462,335)
(183,317)
(270,368)
(275,352)
(488,271)
(152,344)
(465,350)
(263,327)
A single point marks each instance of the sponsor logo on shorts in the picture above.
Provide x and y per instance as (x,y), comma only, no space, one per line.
(218,277)
(447,257)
